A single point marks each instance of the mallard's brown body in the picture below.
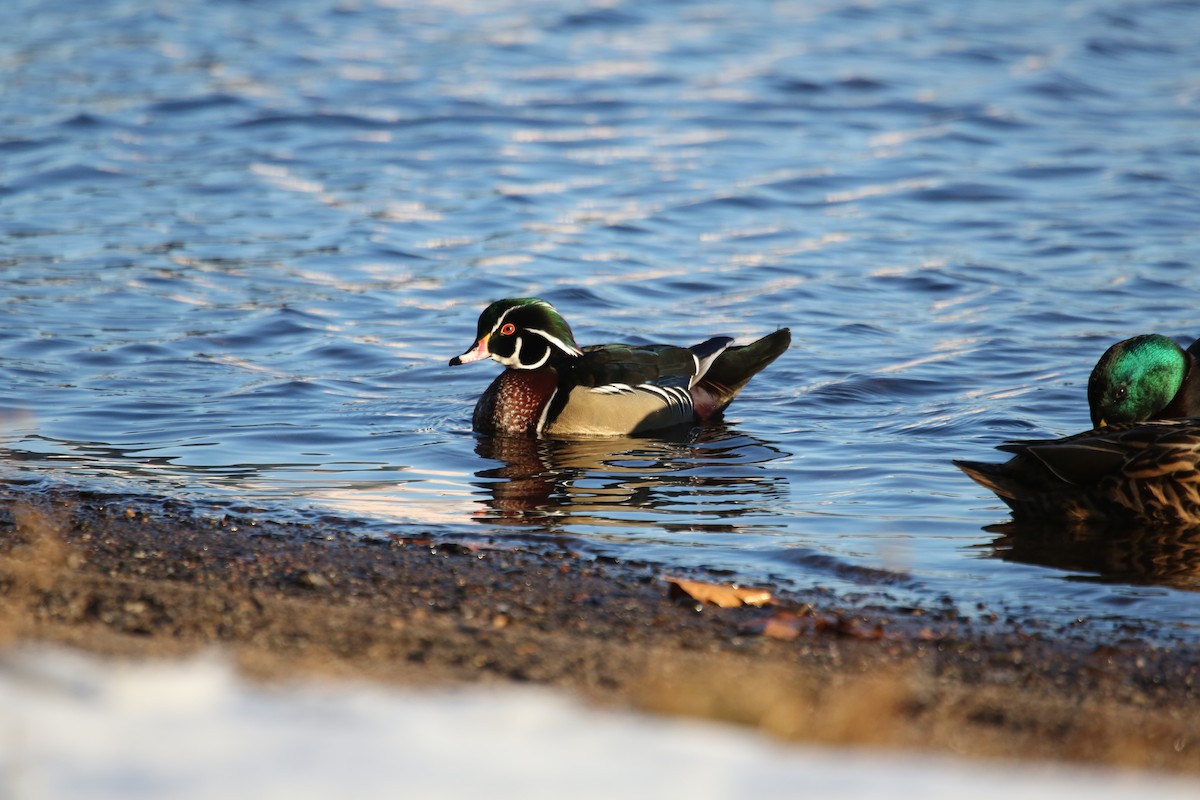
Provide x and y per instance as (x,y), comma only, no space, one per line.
(1135,473)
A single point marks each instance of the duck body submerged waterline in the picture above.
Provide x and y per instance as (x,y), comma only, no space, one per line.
(1138,473)
(552,387)
(1140,465)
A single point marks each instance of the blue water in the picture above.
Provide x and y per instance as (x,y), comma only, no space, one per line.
(240,241)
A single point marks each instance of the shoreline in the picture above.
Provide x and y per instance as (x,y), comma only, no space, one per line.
(132,577)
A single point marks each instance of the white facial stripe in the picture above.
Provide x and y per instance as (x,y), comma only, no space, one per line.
(510,361)
(500,321)
(511,309)
(541,361)
(514,360)
(559,343)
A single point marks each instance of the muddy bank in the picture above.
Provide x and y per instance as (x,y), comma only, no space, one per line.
(146,578)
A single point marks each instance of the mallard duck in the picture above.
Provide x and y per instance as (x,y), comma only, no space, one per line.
(553,387)
(1144,378)
(1145,473)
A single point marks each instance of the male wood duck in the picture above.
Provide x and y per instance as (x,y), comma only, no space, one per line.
(1134,473)
(1144,378)
(553,387)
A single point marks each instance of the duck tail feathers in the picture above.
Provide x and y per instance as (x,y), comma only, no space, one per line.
(991,476)
(733,367)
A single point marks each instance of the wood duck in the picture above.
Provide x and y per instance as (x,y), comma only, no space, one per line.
(1144,378)
(1134,473)
(552,387)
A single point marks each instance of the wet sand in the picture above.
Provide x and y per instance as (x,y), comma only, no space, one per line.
(138,577)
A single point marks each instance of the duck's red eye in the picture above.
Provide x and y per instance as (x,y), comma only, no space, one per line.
(508,329)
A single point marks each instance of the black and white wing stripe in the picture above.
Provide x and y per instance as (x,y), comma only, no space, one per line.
(671,396)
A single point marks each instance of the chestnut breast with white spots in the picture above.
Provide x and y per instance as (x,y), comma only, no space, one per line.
(514,403)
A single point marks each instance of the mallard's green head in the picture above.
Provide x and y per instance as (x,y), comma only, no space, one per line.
(520,333)
(1136,379)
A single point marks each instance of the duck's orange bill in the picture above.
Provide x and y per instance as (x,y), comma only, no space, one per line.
(476,353)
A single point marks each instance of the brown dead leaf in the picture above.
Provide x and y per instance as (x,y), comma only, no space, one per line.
(725,596)
(785,629)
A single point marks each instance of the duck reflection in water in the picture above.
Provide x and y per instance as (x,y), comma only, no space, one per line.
(701,479)
(1162,556)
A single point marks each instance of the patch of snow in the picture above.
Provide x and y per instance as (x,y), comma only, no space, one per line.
(76,726)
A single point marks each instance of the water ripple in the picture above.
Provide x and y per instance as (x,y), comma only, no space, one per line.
(240,248)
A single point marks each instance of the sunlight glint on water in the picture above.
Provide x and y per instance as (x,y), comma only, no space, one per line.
(240,246)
